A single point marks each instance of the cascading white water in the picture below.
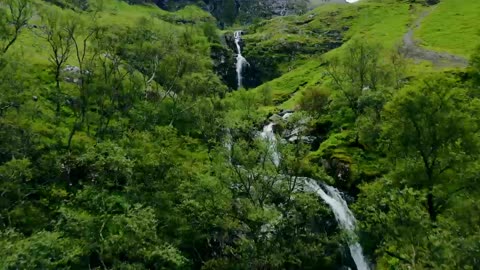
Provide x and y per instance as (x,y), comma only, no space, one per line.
(241,61)
(343,215)
(329,194)
(287,115)
(269,136)
(228,144)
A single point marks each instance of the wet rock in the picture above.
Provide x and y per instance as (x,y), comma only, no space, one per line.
(229,41)
(224,64)
(339,170)
(275,118)
(285,111)
(304,139)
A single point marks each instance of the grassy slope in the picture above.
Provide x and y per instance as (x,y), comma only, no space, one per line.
(453,26)
(382,22)
(34,51)
(114,13)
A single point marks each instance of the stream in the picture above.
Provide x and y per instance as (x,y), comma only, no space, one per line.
(330,195)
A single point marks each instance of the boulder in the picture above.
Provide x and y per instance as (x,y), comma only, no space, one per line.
(275,118)
(283,112)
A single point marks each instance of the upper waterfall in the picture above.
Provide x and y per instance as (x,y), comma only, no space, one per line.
(241,61)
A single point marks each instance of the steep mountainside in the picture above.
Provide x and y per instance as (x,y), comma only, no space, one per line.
(228,11)
(239,134)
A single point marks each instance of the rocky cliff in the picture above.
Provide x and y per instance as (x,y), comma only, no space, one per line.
(228,11)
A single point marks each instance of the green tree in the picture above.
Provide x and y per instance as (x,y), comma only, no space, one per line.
(13,19)
(475,68)
(431,131)
(59,35)
(43,250)
(315,100)
(361,76)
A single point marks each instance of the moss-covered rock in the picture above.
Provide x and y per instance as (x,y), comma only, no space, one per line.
(224,64)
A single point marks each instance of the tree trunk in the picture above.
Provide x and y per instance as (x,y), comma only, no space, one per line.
(57,81)
(432,212)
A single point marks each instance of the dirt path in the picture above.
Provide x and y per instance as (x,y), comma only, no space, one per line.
(411,49)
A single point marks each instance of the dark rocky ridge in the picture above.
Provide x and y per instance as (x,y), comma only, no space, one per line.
(247,11)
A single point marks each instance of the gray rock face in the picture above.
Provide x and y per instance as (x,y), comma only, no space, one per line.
(224,64)
(267,8)
(292,132)
(246,10)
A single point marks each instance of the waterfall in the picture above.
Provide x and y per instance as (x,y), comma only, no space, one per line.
(269,136)
(228,144)
(330,195)
(241,61)
(343,215)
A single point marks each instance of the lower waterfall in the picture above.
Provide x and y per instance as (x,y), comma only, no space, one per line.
(343,215)
(329,195)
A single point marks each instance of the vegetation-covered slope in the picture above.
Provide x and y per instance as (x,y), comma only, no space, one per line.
(111,150)
(452,26)
(122,147)
(324,29)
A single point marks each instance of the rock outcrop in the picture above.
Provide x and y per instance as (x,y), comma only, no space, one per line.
(227,11)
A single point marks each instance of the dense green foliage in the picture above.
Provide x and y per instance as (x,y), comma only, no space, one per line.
(122,148)
(111,155)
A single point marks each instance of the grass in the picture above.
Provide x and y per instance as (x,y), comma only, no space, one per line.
(32,51)
(380,22)
(286,87)
(453,26)
(385,23)
(32,48)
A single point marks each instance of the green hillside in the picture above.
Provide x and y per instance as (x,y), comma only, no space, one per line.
(452,26)
(131,138)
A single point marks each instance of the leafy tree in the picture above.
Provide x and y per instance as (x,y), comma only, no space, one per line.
(59,35)
(43,249)
(117,233)
(355,72)
(475,67)
(15,175)
(13,84)
(315,100)
(395,225)
(431,133)
(360,75)
(13,19)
